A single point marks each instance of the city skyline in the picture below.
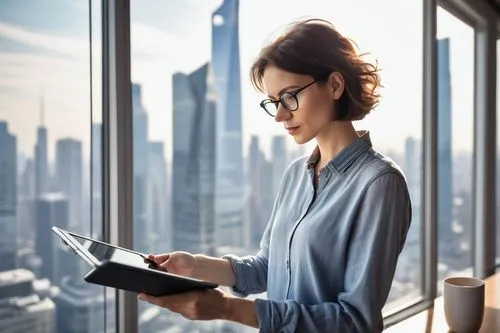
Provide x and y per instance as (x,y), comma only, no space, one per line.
(22,92)
(58,216)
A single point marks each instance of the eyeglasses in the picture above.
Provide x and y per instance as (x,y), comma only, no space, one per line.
(287,99)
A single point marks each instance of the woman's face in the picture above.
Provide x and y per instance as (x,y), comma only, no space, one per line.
(315,103)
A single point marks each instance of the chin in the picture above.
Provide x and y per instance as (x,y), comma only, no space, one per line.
(301,139)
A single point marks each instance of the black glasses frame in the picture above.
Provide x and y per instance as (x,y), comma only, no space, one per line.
(283,102)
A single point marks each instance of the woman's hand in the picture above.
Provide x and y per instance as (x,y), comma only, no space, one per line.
(197,305)
(201,267)
(179,262)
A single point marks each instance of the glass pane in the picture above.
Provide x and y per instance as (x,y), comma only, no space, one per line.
(208,161)
(45,169)
(455,96)
(103,306)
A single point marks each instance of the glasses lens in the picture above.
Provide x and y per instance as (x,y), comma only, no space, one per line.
(289,101)
(270,108)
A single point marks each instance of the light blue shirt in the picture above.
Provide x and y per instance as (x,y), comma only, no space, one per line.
(327,259)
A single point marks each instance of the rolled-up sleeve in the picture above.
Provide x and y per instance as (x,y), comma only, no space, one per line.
(250,272)
(376,240)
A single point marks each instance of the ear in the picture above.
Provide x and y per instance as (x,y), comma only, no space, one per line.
(336,83)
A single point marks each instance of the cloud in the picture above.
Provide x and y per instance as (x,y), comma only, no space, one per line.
(27,71)
(149,44)
(75,47)
(65,81)
(64,74)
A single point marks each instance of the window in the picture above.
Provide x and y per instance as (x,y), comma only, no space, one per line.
(47,139)
(455,95)
(204,152)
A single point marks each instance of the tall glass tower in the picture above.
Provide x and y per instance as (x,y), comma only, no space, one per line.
(229,162)
(445,171)
(193,174)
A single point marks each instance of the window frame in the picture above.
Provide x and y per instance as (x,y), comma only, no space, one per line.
(117,136)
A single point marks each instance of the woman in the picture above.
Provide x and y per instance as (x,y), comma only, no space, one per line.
(340,220)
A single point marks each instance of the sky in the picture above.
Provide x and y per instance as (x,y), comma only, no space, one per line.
(45,51)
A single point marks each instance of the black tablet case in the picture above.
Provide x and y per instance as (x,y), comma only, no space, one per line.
(148,281)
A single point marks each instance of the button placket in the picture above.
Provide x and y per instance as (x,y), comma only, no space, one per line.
(310,200)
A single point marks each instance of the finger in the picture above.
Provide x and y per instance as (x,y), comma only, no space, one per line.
(149,299)
(157,267)
(148,260)
(158,301)
(167,301)
(160,258)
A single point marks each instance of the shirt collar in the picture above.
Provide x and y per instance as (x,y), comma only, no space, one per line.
(341,162)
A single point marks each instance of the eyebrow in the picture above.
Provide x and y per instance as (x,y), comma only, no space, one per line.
(284,90)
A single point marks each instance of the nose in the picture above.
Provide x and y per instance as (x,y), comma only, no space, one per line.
(282,114)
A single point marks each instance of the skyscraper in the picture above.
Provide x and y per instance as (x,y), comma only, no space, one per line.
(142,225)
(445,171)
(254,161)
(158,205)
(8,198)
(265,195)
(96,157)
(81,308)
(41,169)
(25,197)
(279,161)
(69,177)
(260,201)
(27,181)
(254,204)
(413,173)
(194,154)
(96,179)
(408,271)
(229,158)
(52,210)
(24,306)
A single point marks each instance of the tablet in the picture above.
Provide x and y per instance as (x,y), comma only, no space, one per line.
(117,267)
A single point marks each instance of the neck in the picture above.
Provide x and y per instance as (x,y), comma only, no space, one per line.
(333,139)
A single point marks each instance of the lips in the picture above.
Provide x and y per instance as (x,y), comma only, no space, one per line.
(292,129)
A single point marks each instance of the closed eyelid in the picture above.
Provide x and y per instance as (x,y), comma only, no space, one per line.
(269,100)
(288,89)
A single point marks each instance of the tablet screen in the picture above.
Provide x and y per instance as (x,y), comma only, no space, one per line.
(102,251)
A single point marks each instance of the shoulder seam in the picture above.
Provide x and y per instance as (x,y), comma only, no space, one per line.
(382,173)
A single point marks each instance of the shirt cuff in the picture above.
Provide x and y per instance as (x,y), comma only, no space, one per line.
(239,275)
(263,310)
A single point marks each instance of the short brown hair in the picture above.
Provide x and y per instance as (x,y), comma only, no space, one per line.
(314,47)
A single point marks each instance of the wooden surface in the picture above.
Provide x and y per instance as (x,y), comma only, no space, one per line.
(433,321)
